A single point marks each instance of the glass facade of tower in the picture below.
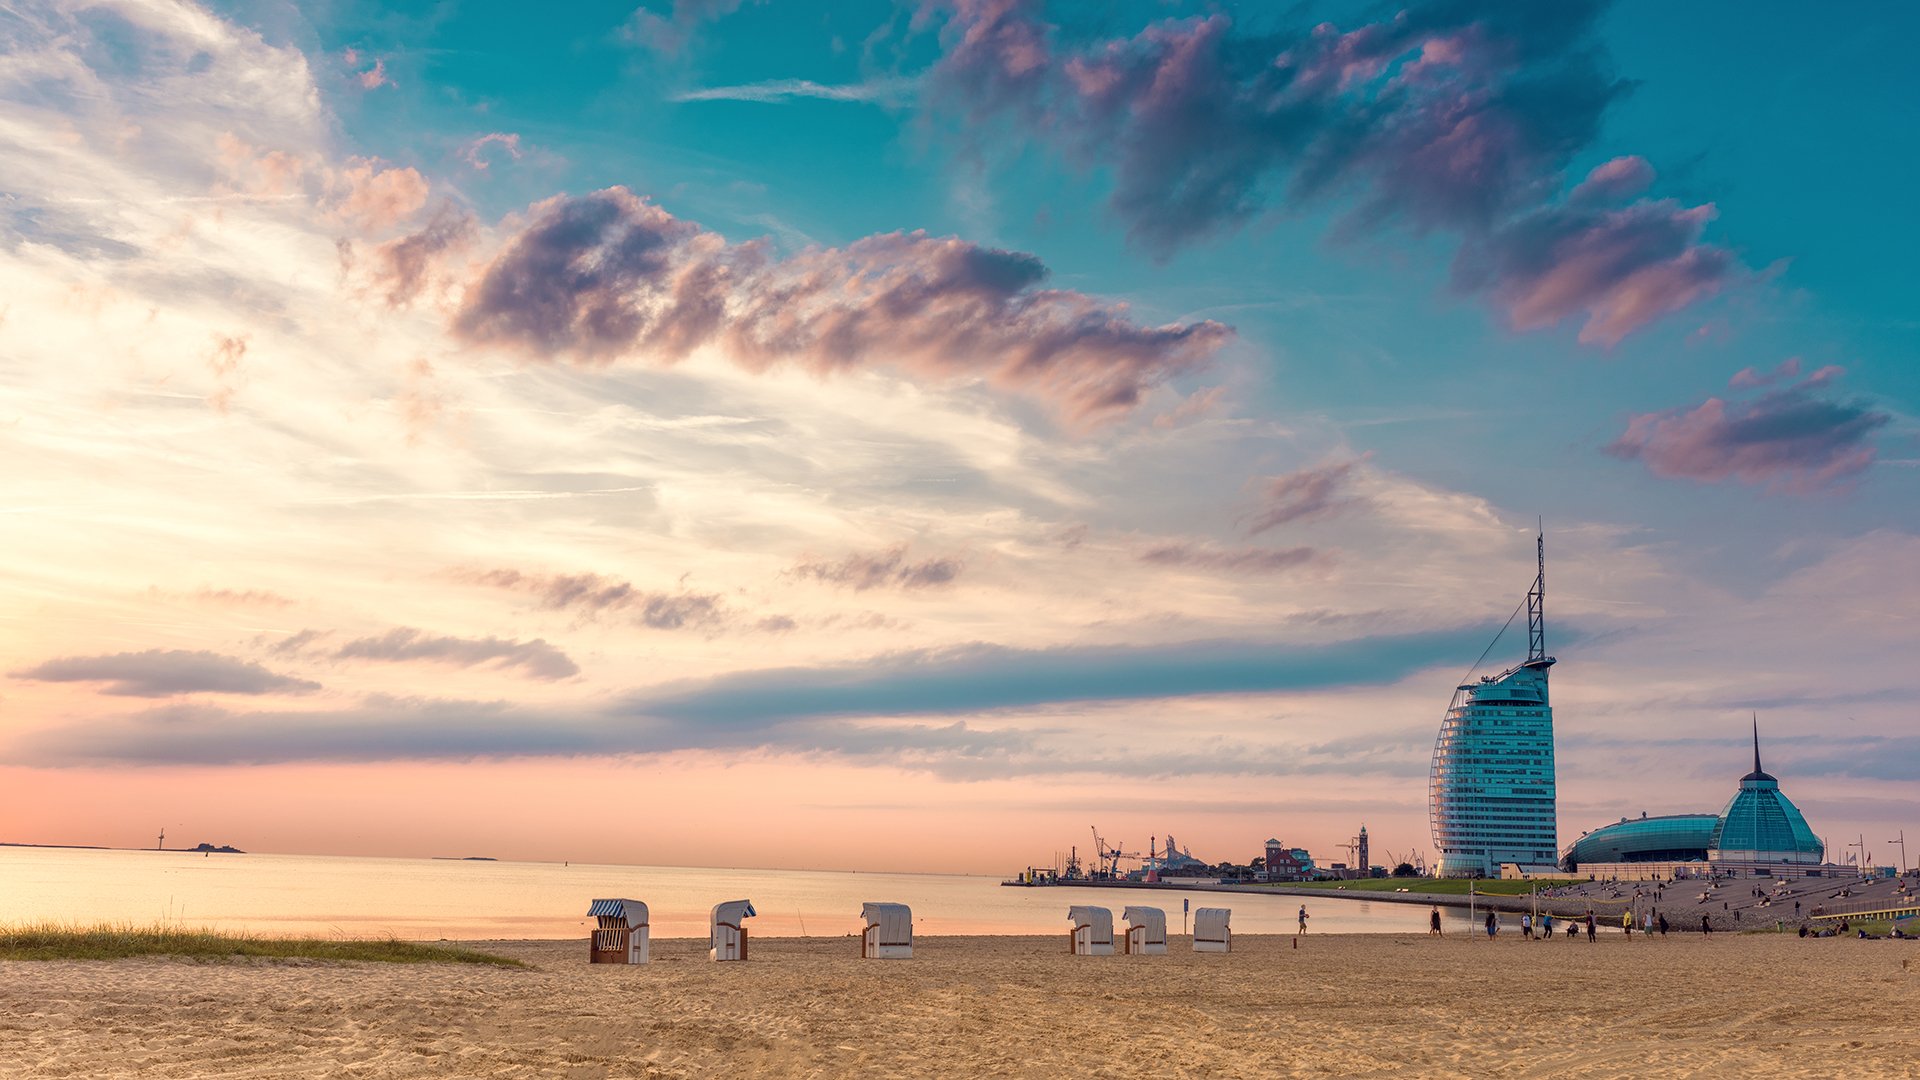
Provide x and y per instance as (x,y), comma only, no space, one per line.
(1491,795)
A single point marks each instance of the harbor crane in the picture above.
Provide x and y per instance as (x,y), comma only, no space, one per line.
(1106,860)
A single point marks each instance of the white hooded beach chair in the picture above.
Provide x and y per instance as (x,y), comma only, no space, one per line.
(889,933)
(1092,930)
(729,936)
(1146,930)
(1210,930)
(621,937)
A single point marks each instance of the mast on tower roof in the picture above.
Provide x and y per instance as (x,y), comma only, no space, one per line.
(1537,602)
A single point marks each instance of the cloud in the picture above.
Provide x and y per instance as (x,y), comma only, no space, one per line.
(298,644)
(366,192)
(976,678)
(472,152)
(1447,117)
(535,658)
(610,275)
(1303,495)
(887,568)
(376,197)
(1622,267)
(594,594)
(241,598)
(888,90)
(1790,438)
(891,710)
(403,265)
(167,672)
(668,34)
(1231,560)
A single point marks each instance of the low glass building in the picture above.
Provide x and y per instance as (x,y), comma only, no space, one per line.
(1670,838)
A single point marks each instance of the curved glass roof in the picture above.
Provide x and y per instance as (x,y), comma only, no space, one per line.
(1761,823)
(1669,838)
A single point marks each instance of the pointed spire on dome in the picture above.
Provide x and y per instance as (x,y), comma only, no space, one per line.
(1757,773)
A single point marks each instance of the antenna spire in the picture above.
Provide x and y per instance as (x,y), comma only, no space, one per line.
(1537,602)
(1756,742)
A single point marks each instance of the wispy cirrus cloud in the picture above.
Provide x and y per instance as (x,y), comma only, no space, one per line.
(474,152)
(594,595)
(1230,560)
(669,34)
(167,673)
(886,90)
(886,568)
(611,275)
(1303,495)
(535,659)
(1447,117)
(1793,438)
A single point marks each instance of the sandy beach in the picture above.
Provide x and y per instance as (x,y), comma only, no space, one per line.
(1013,1006)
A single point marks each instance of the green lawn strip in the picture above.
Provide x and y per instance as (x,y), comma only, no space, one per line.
(53,941)
(1435,886)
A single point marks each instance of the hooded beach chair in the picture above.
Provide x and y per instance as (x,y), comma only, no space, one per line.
(729,937)
(621,937)
(1146,930)
(1210,930)
(1092,930)
(889,932)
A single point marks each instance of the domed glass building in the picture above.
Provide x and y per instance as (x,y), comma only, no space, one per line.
(1760,824)
(1760,827)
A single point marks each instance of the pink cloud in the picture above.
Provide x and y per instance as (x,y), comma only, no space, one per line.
(472,153)
(670,33)
(610,275)
(1620,268)
(1455,118)
(1748,377)
(1305,494)
(377,198)
(375,77)
(1790,439)
(1621,178)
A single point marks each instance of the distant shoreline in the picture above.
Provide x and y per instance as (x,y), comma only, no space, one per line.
(198,850)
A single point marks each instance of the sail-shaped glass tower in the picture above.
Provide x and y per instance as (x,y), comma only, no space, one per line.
(1491,793)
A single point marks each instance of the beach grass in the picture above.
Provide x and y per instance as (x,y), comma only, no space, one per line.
(115,941)
(1437,886)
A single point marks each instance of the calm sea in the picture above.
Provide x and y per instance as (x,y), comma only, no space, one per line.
(433,898)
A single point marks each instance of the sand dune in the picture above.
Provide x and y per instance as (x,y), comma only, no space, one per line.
(1413,1006)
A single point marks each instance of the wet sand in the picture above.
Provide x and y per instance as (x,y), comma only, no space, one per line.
(1732,1005)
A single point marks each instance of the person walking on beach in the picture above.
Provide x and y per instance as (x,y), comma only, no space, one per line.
(1433,922)
(1591,927)
(1705,926)
(1493,926)
(1626,922)
(1663,926)
(1526,927)
(1303,918)
(1546,927)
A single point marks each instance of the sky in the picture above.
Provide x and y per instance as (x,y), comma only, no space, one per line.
(886,435)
